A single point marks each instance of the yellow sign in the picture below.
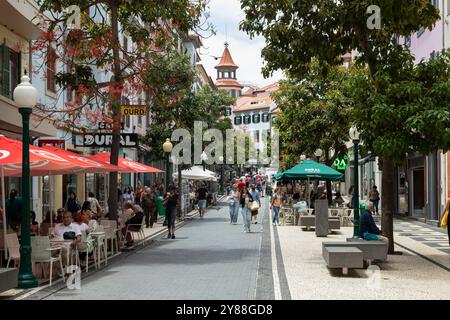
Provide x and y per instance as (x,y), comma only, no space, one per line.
(127,110)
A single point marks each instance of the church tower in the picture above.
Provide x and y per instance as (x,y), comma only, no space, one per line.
(226,74)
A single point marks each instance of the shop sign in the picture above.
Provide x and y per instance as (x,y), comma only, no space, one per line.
(127,140)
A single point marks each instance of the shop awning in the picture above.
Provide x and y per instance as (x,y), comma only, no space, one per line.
(125,165)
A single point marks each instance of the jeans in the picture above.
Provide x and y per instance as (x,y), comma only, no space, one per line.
(375,204)
(246,217)
(276,211)
(234,212)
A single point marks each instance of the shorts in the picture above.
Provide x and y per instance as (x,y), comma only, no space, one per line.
(254,213)
(202,204)
(171,218)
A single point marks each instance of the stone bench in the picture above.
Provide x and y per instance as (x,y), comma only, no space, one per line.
(310,221)
(8,278)
(343,257)
(372,250)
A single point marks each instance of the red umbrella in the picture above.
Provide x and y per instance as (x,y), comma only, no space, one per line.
(89,165)
(42,161)
(126,165)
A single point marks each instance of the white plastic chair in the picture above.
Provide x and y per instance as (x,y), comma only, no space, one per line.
(13,246)
(140,233)
(288,215)
(41,252)
(333,212)
(347,217)
(101,246)
(111,233)
(83,248)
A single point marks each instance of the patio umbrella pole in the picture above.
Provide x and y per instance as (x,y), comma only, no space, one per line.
(4,213)
(50,198)
(308,198)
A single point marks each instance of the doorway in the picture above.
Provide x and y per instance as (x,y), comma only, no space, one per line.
(418,191)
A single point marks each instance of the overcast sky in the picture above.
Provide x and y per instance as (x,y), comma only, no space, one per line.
(246,53)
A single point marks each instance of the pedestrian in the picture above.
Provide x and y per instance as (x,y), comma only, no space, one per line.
(13,210)
(72,204)
(233,200)
(350,198)
(338,200)
(275,205)
(127,196)
(245,200)
(95,205)
(170,203)
(138,195)
(368,228)
(202,196)
(255,195)
(148,202)
(374,197)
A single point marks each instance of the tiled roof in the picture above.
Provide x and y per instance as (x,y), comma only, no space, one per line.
(226,60)
(228,82)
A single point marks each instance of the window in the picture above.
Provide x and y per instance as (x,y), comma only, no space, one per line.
(257,136)
(51,69)
(256,118)
(9,71)
(228,111)
(247,119)
(140,121)
(237,120)
(265,117)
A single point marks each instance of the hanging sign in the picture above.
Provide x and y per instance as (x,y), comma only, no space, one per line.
(128,110)
(127,140)
(341,162)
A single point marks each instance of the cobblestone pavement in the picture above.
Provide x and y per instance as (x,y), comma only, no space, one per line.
(421,272)
(209,259)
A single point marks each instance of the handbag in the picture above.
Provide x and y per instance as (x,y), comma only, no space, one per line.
(254,206)
(444,221)
(69,235)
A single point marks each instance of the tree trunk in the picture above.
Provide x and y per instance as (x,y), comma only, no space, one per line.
(388,201)
(115,106)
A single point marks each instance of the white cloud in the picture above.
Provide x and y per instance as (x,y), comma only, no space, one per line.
(226,16)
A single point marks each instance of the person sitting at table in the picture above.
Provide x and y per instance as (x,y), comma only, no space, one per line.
(87,219)
(34,225)
(338,200)
(127,214)
(133,224)
(67,230)
(87,225)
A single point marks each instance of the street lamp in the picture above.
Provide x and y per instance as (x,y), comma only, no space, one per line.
(204,157)
(221,173)
(354,136)
(25,95)
(318,154)
(167,148)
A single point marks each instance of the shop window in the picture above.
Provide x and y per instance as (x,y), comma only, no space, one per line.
(51,69)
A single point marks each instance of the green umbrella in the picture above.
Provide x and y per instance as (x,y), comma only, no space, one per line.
(310,169)
(277,175)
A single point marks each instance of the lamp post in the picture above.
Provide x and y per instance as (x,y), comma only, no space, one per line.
(167,148)
(25,95)
(204,157)
(221,173)
(354,136)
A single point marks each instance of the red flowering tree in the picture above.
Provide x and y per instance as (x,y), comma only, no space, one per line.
(112,56)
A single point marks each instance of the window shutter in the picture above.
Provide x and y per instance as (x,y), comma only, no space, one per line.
(5,72)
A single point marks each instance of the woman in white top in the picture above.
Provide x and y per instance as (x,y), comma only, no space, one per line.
(233,200)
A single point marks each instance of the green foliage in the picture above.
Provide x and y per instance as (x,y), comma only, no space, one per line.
(314,113)
(295,32)
(206,105)
(406,111)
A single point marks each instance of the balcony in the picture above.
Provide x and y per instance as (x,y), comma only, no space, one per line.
(17,16)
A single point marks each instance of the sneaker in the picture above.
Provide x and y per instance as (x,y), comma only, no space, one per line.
(173,236)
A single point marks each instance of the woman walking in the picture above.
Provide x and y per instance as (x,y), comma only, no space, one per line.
(246,200)
(171,211)
(233,199)
(275,204)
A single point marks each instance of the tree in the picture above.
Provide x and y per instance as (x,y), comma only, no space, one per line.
(97,48)
(314,105)
(296,32)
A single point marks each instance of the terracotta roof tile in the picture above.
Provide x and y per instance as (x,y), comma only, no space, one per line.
(226,60)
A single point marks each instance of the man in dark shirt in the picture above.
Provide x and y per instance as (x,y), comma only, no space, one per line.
(368,228)
(171,202)
(202,195)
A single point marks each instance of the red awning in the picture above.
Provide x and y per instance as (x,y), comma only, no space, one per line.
(126,165)
(89,165)
(42,161)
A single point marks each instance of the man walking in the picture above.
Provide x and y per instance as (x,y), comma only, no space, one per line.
(374,197)
(202,195)
(255,195)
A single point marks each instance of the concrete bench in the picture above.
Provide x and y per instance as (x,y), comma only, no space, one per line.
(343,257)
(8,278)
(372,250)
(310,221)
